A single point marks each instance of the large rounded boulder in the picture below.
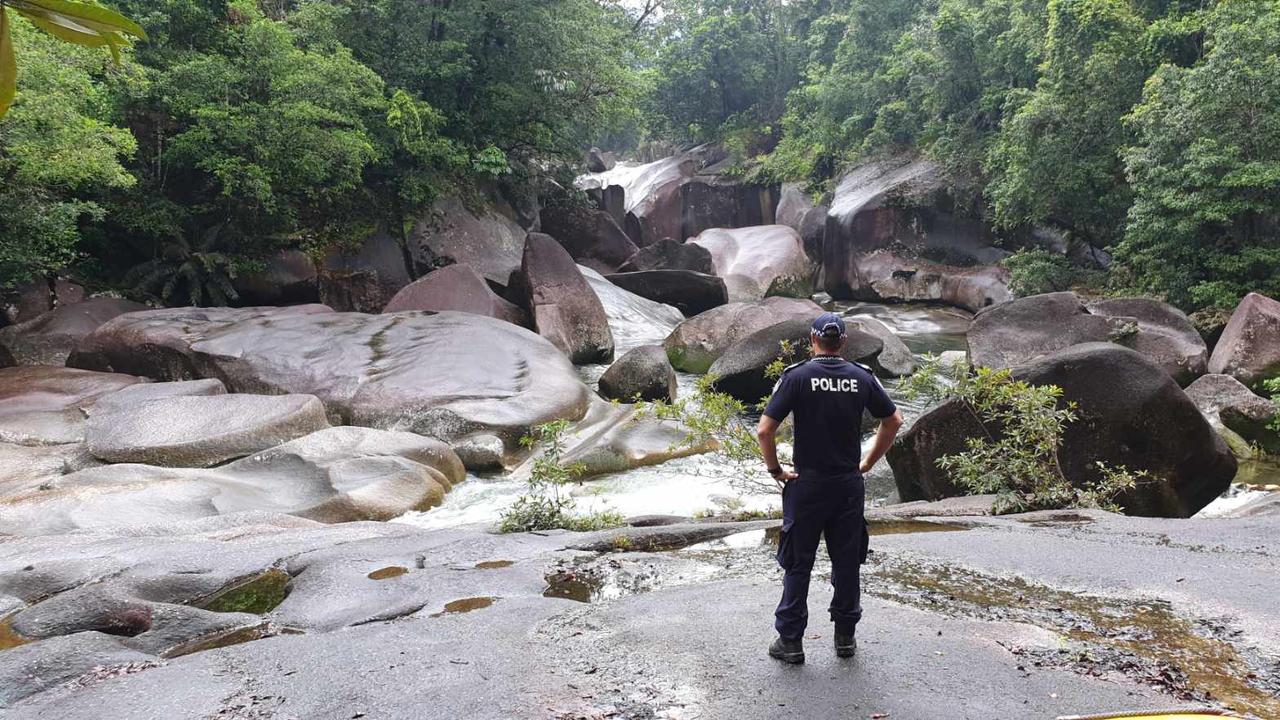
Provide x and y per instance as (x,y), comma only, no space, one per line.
(591,236)
(565,309)
(698,341)
(1249,349)
(1130,413)
(459,377)
(455,287)
(668,254)
(49,338)
(643,373)
(33,299)
(1243,418)
(884,276)
(45,405)
(200,430)
(758,261)
(1033,327)
(741,370)
(1164,335)
(485,236)
(797,211)
(336,475)
(897,359)
(690,292)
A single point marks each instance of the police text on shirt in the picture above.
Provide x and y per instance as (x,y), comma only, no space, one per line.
(833,384)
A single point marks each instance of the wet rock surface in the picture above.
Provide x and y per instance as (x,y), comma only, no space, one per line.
(591,236)
(896,360)
(1164,334)
(45,405)
(614,438)
(682,195)
(758,261)
(690,292)
(886,276)
(668,254)
(455,287)
(485,237)
(633,320)
(365,279)
(1008,619)
(49,338)
(199,430)
(335,475)
(30,300)
(565,310)
(1242,417)
(697,342)
(798,211)
(643,372)
(1249,348)
(1033,327)
(436,375)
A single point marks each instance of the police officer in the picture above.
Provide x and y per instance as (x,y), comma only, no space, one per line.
(825,494)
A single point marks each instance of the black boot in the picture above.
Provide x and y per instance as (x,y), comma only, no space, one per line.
(788,651)
(846,645)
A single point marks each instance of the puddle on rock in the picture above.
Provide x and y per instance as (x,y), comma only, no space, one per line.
(494,564)
(612,578)
(388,572)
(9,638)
(769,537)
(1145,640)
(1058,520)
(257,594)
(908,526)
(465,605)
(218,640)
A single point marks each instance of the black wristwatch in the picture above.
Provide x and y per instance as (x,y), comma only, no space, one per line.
(775,471)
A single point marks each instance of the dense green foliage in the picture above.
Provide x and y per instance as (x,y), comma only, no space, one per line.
(546,503)
(58,151)
(1019,462)
(1148,127)
(1036,271)
(239,128)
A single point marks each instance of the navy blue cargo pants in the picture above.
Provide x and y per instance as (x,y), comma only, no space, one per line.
(815,506)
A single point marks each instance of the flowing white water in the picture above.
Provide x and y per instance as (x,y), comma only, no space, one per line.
(688,485)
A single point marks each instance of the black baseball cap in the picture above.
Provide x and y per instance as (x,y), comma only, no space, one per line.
(829,325)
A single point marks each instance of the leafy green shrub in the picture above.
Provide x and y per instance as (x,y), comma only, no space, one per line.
(715,419)
(1272,388)
(1033,272)
(546,505)
(1017,458)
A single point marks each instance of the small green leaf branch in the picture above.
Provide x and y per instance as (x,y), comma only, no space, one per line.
(73,22)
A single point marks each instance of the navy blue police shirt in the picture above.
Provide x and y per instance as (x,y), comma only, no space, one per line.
(827,396)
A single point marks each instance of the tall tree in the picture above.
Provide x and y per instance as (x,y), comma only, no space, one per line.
(1056,161)
(1204,228)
